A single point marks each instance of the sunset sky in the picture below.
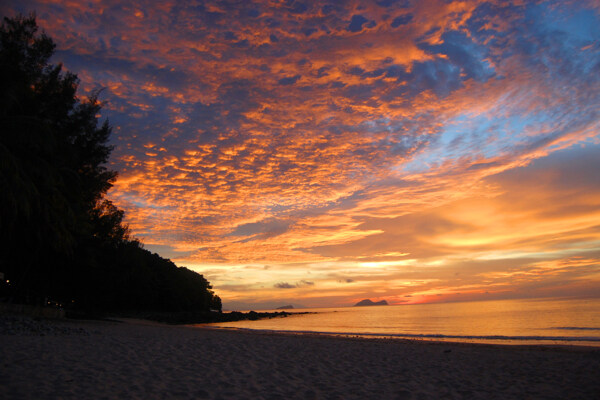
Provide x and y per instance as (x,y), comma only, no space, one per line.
(318,153)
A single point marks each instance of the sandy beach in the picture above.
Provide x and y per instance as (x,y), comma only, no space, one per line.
(133,359)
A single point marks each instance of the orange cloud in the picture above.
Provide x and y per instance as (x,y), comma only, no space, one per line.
(388,150)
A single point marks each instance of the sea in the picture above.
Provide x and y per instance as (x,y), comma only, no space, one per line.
(513,322)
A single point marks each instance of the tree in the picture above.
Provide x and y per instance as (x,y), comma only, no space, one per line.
(53,154)
(60,237)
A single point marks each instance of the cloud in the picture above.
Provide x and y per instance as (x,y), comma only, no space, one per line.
(284,285)
(300,284)
(396,3)
(265,229)
(464,53)
(401,20)
(290,80)
(297,7)
(356,23)
(417,137)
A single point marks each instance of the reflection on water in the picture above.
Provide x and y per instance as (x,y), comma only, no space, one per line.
(504,321)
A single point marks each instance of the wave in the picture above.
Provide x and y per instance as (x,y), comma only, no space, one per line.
(576,328)
(435,336)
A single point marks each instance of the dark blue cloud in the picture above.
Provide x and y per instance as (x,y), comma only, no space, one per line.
(329,8)
(208,19)
(253,12)
(359,93)
(265,226)
(401,20)
(290,80)
(262,229)
(322,72)
(204,55)
(242,44)
(376,73)
(167,76)
(480,21)
(396,71)
(463,53)
(356,23)
(337,85)
(356,71)
(230,35)
(439,76)
(396,3)
(309,31)
(272,23)
(296,7)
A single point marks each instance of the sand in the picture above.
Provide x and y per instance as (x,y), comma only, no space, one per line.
(134,360)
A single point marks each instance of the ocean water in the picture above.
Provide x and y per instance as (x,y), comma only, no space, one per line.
(532,321)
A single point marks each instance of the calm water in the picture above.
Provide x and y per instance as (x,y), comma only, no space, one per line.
(504,321)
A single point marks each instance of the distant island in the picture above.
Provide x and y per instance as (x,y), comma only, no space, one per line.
(368,302)
(286,307)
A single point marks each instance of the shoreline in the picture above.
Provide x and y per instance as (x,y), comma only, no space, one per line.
(399,338)
(145,359)
(475,340)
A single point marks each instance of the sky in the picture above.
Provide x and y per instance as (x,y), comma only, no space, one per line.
(318,153)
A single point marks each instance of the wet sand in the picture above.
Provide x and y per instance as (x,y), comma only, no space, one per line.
(135,359)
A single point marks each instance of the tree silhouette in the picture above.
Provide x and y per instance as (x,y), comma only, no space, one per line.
(39,207)
(60,238)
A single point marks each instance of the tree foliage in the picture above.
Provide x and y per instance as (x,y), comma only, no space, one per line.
(60,237)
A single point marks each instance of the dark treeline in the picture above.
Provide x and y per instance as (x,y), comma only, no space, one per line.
(61,240)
